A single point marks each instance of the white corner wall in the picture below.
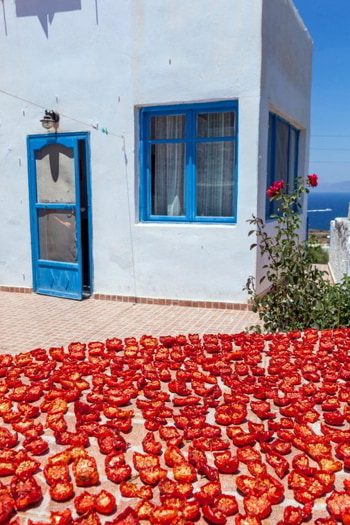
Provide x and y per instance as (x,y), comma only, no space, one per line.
(339,249)
(285,90)
(96,67)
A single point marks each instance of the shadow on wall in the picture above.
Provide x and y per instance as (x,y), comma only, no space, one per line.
(45,10)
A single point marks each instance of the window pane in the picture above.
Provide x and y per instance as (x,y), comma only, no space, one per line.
(55,174)
(281,154)
(57,235)
(167,173)
(293,158)
(168,127)
(216,124)
(214,179)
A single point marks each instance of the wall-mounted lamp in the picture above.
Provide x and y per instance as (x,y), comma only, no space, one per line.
(50,120)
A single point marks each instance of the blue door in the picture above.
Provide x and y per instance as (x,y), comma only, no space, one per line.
(54,185)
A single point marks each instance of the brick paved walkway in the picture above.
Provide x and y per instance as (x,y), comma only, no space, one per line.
(29,321)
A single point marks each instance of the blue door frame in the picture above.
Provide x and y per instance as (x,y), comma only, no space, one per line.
(60,278)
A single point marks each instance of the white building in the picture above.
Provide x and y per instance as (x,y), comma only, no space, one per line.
(175,116)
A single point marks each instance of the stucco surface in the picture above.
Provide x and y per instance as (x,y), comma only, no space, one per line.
(96,65)
(339,250)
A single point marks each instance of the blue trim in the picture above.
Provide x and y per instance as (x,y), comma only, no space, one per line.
(40,266)
(190,140)
(88,171)
(54,206)
(66,295)
(46,263)
(272,176)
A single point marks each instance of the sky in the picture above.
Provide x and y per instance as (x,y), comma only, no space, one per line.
(328,22)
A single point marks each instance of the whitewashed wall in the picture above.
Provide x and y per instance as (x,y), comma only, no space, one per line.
(285,90)
(339,249)
(97,64)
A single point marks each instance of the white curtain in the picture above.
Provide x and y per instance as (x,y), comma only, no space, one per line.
(214,166)
(167,166)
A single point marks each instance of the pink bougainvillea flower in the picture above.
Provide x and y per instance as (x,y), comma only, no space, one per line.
(312,180)
(275,189)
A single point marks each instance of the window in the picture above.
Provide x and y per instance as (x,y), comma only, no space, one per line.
(189,163)
(282,157)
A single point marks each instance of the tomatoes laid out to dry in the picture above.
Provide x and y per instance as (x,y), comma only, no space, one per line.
(240,429)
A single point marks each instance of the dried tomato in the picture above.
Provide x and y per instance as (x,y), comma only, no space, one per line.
(281,447)
(61,518)
(342,451)
(208,493)
(105,502)
(292,515)
(317,451)
(62,491)
(185,473)
(85,472)
(190,510)
(247,520)
(27,468)
(85,502)
(279,463)
(131,490)
(257,506)
(56,472)
(301,464)
(239,437)
(214,515)
(110,441)
(8,462)
(262,409)
(7,440)
(75,439)
(256,468)
(186,401)
(7,504)
(152,476)
(226,504)
(171,435)
(334,418)
(142,461)
(127,517)
(338,504)
(145,510)
(36,445)
(88,519)
(225,462)
(211,473)
(246,454)
(25,492)
(172,456)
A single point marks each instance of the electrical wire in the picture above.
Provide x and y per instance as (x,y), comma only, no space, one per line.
(106,132)
(88,124)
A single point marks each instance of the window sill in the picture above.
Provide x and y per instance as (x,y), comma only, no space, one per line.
(175,224)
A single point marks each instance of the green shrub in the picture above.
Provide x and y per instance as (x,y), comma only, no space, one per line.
(298,295)
(318,254)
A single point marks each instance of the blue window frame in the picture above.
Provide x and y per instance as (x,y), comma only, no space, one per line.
(189,163)
(283,150)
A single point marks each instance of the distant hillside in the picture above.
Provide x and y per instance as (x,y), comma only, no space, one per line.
(334,187)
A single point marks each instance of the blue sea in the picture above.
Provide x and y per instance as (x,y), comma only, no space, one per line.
(324,207)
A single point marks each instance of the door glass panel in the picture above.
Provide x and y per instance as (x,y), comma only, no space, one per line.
(57,235)
(55,174)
